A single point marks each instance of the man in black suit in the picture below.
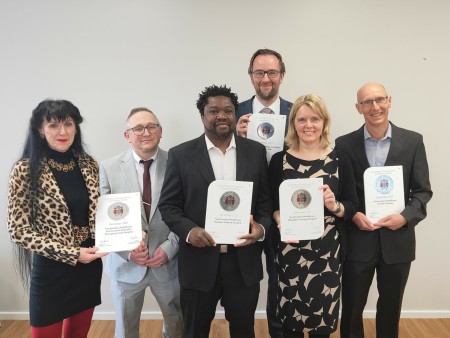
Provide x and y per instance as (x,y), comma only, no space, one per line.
(209,272)
(266,71)
(387,246)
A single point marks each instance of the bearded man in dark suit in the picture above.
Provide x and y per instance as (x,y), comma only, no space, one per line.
(209,272)
(266,71)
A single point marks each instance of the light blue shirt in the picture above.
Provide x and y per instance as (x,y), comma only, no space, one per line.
(377,150)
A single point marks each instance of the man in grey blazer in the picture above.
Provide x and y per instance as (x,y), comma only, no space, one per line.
(387,246)
(266,71)
(154,263)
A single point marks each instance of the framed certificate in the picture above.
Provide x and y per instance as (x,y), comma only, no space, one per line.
(301,209)
(118,225)
(267,129)
(383,191)
(228,210)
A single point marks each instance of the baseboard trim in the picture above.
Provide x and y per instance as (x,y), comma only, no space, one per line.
(108,315)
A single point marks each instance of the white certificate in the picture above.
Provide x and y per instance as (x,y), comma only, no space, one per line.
(118,225)
(383,191)
(267,129)
(228,210)
(301,209)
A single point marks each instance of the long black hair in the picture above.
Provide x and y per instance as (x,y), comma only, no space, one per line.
(34,151)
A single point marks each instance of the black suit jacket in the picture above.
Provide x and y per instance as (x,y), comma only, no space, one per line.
(407,149)
(247,107)
(183,207)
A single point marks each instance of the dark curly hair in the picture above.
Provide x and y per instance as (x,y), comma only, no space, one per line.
(213,91)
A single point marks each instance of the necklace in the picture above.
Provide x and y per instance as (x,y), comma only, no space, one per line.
(65,167)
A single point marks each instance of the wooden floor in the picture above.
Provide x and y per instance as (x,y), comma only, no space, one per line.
(409,328)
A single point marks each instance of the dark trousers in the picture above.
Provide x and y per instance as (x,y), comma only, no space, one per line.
(275,325)
(238,300)
(356,281)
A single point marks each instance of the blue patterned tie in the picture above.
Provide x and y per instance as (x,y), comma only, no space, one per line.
(266,110)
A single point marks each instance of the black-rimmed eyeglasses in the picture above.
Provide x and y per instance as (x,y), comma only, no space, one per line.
(140,130)
(259,74)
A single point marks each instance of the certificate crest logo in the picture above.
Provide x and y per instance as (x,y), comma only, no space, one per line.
(118,210)
(265,130)
(384,184)
(229,201)
(301,198)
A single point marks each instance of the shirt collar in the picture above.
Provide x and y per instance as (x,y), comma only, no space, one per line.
(386,136)
(137,159)
(275,106)
(210,145)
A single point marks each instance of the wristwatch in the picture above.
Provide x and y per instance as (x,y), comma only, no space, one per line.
(338,208)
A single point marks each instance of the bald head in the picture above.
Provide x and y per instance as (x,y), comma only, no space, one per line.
(368,89)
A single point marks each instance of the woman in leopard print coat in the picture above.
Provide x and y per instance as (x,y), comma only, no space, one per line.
(52,196)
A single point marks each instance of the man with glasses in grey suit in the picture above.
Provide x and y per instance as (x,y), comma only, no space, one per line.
(154,263)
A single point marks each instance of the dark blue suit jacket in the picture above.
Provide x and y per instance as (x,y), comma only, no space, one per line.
(247,107)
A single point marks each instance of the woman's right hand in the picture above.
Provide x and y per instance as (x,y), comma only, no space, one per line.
(276,217)
(88,255)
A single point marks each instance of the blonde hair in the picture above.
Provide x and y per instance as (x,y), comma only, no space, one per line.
(317,104)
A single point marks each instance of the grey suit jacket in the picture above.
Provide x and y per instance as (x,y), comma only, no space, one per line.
(407,149)
(118,175)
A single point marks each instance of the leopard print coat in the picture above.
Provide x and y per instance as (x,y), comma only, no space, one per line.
(51,233)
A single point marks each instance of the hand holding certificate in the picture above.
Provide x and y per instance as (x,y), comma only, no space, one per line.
(383,192)
(301,209)
(228,210)
(118,224)
(268,129)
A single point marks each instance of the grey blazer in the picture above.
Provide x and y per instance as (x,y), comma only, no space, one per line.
(118,175)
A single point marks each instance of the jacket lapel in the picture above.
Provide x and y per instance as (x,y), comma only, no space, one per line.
(396,146)
(89,171)
(128,168)
(161,162)
(200,156)
(49,186)
(360,147)
(242,162)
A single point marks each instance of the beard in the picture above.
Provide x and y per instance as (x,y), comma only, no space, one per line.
(268,95)
(223,134)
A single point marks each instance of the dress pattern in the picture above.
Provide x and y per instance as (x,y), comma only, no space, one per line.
(309,272)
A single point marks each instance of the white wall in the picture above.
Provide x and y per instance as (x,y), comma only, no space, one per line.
(108,56)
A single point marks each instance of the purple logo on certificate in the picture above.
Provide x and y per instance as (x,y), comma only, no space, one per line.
(118,210)
(384,184)
(265,130)
(301,198)
(229,201)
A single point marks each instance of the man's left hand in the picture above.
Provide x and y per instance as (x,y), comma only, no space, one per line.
(158,259)
(393,222)
(256,233)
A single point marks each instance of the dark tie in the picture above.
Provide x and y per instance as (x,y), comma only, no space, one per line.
(147,191)
(266,110)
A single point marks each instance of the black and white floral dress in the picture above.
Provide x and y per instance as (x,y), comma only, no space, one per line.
(309,273)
